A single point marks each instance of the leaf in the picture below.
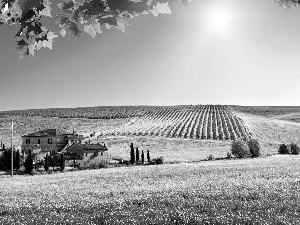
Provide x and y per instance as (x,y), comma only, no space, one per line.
(31,48)
(46,11)
(51,35)
(39,45)
(92,29)
(161,8)
(47,44)
(62,32)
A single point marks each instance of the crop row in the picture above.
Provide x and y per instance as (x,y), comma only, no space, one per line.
(212,122)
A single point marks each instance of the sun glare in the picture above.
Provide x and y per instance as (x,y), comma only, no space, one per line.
(219,20)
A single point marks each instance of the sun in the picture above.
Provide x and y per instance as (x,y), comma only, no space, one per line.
(219,20)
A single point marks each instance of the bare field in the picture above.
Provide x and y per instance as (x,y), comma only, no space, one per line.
(289,113)
(172,149)
(272,132)
(251,191)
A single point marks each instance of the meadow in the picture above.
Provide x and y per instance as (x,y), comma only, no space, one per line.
(248,191)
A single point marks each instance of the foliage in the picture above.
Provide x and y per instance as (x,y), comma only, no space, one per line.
(5,159)
(137,155)
(254,147)
(132,157)
(46,164)
(29,163)
(29,14)
(17,164)
(148,156)
(62,162)
(240,149)
(210,157)
(284,149)
(143,157)
(157,161)
(294,149)
(229,155)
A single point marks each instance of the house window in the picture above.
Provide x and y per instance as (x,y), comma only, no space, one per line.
(85,154)
(101,153)
(39,141)
(27,141)
(49,140)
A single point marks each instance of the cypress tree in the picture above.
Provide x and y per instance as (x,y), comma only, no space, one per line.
(143,157)
(131,154)
(46,166)
(148,156)
(62,162)
(29,163)
(137,155)
(17,161)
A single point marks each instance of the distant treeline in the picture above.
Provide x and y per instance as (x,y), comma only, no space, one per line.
(98,112)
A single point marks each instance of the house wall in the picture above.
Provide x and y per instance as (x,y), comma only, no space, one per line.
(58,143)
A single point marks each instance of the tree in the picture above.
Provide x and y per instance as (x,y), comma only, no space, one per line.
(142,156)
(294,149)
(240,149)
(17,161)
(254,147)
(284,149)
(5,159)
(132,158)
(137,155)
(148,156)
(32,35)
(46,165)
(29,163)
(62,162)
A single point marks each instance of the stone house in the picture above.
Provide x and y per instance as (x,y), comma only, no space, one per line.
(87,151)
(51,141)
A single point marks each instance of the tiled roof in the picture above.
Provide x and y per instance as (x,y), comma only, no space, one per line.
(52,132)
(93,147)
(48,132)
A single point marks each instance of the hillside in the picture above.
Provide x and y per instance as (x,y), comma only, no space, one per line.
(209,122)
(178,133)
(289,113)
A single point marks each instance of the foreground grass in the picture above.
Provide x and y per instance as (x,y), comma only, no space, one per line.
(252,191)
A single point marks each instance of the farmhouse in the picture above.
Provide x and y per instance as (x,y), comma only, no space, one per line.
(86,150)
(53,142)
(49,140)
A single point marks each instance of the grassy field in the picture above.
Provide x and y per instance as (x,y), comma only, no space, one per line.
(251,191)
(289,113)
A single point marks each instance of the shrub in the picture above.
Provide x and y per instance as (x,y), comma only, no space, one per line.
(210,157)
(254,147)
(240,149)
(156,161)
(284,149)
(294,149)
(103,165)
(229,155)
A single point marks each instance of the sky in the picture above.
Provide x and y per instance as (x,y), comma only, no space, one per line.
(231,52)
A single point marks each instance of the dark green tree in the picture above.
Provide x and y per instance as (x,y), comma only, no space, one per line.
(46,165)
(132,157)
(143,157)
(148,156)
(29,163)
(62,162)
(137,155)
(294,149)
(17,164)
